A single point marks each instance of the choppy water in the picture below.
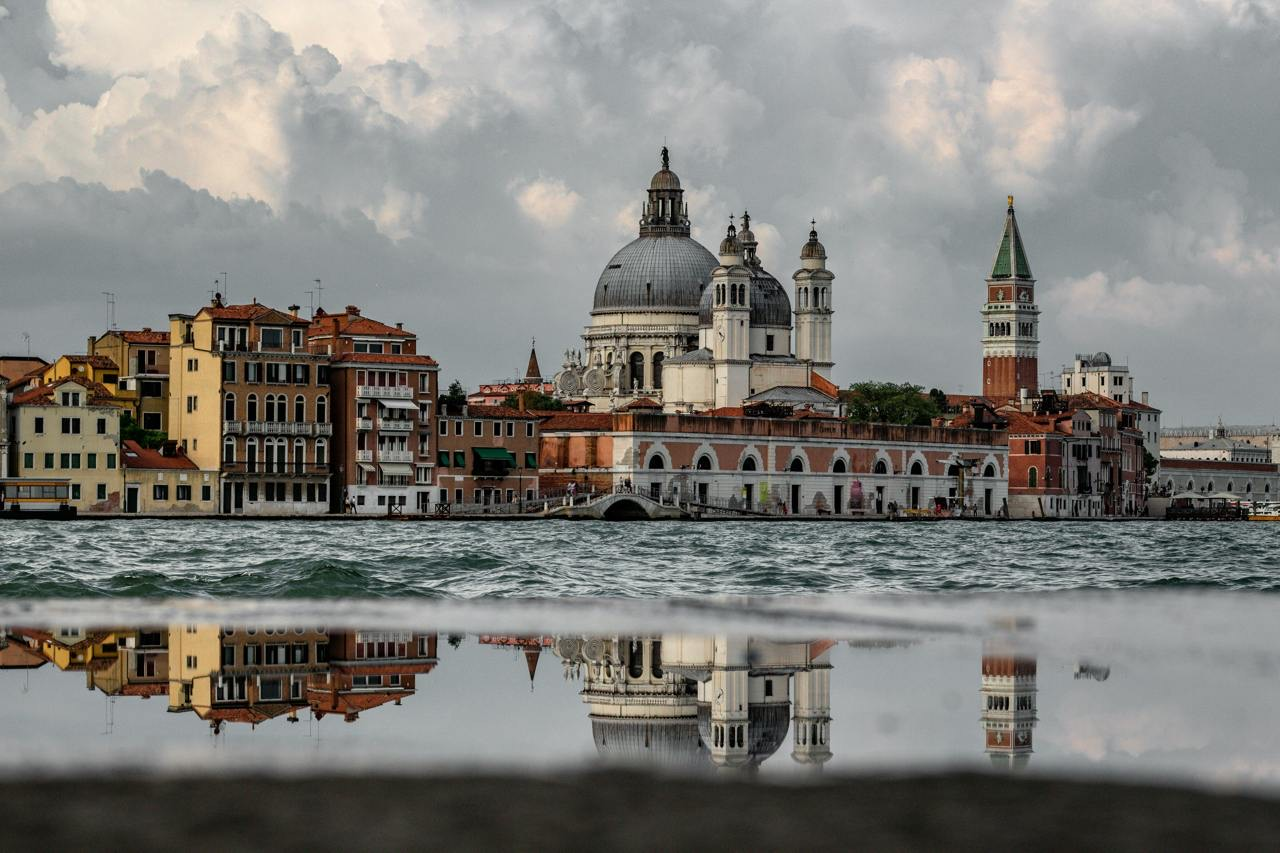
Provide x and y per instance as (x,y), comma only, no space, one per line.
(552,559)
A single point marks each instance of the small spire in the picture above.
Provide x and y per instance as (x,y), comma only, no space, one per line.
(666,159)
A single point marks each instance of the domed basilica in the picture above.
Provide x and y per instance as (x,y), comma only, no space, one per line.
(674,323)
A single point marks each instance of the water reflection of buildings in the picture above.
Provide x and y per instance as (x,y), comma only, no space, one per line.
(229,675)
(688,700)
(1008,705)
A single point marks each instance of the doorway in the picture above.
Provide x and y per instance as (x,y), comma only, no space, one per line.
(915,497)
(131,497)
(879,500)
(837,499)
(795,499)
(749,495)
(702,493)
(986,501)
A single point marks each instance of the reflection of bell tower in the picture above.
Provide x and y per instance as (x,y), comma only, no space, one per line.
(811,726)
(1008,707)
(731,323)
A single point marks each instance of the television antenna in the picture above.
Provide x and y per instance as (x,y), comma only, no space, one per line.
(111,309)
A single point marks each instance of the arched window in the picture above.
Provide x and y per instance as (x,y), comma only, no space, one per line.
(656,463)
(637,370)
(1209,488)
(251,455)
(838,467)
(270,407)
(1266,490)
(1248,488)
(299,408)
(657,369)
(880,467)
(749,464)
(251,407)
(953,470)
(1191,485)
(228,449)
(281,449)
(989,471)
(916,468)
(299,455)
(704,463)
(655,659)
(1231,486)
(229,407)
(635,659)
(322,409)
(1032,477)
(322,451)
(797,464)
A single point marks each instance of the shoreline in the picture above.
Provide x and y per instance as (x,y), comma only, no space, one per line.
(625,811)
(824,519)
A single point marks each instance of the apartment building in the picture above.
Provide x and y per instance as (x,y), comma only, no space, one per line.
(486,455)
(163,480)
(142,357)
(70,429)
(247,398)
(383,409)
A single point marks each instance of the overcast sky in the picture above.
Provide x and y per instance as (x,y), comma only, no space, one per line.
(469,168)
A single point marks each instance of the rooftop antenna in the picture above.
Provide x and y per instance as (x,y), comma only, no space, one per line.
(26,338)
(319,293)
(111,309)
(226,288)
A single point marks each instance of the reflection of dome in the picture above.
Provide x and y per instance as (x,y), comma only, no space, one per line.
(667,272)
(666,741)
(770,305)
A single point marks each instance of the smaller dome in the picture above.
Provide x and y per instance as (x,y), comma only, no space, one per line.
(730,245)
(813,250)
(747,236)
(1101,359)
(664,179)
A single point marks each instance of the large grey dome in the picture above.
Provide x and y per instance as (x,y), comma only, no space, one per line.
(770,305)
(663,741)
(655,273)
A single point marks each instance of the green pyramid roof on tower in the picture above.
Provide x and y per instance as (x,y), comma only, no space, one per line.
(1011,257)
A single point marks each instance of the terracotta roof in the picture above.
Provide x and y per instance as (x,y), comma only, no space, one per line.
(324,702)
(350,323)
(1217,465)
(726,412)
(256,714)
(1024,424)
(145,336)
(137,456)
(14,367)
(159,689)
(481,411)
(98,393)
(570,421)
(101,362)
(384,358)
(253,311)
(640,403)
(826,386)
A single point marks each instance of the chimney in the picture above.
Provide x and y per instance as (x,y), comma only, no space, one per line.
(88,348)
(255,300)
(353,310)
(1144,398)
(293,309)
(146,328)
(400,326)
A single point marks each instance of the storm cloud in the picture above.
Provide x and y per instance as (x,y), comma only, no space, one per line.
(469,168)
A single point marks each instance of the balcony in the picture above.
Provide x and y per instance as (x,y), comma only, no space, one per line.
(232,427)
(324,429)
(395,456)
(265,468)
(301,428)
(364,455)
(389,392)
(364,423)
(385,425)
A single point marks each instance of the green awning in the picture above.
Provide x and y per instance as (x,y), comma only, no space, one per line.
(442,459)
(495,454)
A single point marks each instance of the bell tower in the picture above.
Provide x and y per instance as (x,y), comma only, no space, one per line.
(811,724)
(813,305)
(731,323)
(1008,706)
(1010,320)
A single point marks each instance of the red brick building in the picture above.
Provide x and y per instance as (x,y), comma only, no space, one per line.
(384,397)
(486,456)
(367,669)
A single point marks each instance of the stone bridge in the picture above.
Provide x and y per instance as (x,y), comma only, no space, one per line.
(620,506)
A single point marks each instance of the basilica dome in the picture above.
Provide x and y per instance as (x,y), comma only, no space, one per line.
(661,741)
(655,273)
(770,305)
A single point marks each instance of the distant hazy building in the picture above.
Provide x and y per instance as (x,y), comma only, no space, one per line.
(1210,442)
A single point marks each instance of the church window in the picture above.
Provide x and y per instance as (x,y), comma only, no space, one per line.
(704,463)
(657,369)
(655,659)
(989,471)
(637,370)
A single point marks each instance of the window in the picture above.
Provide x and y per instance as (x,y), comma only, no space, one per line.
(70,426)
(183,493)
(152,421)
(28,460)
(39,426)
(477,428)
(457,427)
(48,460)
(322,409)
(228,371)
(528,429)
(102,426)
(459,459)
(301,373)
(768,343)
(1032,476)
(253,371)
(206,493)
(530,460)
(273,338)
(442,458)
(916,468)
(880,467)
(193,365)
(75,491)
(160,492)
(91,460)
(299,408)
(191,404)
(277,373)
(111,460)
(444,427)
(102,491)
(1031,448)
(322,452)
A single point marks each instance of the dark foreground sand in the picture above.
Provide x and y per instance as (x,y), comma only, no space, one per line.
(625,812)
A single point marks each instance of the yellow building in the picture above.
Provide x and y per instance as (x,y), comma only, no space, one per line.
(165,481)
(140,666)
(70,429)
(248,399)
(91,368)
(143,360)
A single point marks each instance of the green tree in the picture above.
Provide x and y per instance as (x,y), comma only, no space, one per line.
(131,430)
(890,403)
(535,400)
(453,399)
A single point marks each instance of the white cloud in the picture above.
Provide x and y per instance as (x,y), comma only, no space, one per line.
(546,201)
(1095,298)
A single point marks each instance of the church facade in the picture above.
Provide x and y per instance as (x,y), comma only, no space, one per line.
(692,331)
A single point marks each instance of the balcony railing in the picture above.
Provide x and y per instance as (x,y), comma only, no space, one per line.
(364,455)
(395,455)
(396,426)
(364,423)
(265,468)
(392,392)
(304,428)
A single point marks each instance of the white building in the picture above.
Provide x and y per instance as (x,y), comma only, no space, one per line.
(1097,374)
(694,331)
